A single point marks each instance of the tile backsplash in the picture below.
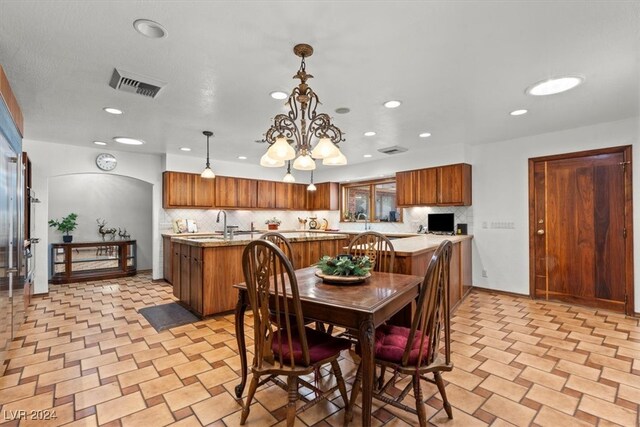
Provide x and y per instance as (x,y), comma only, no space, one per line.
(206,219)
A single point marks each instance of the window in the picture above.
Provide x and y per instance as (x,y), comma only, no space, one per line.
(375,199)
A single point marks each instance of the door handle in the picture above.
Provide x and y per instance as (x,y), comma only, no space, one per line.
(541,232)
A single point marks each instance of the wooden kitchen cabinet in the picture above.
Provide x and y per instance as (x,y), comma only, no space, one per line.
(426,186)
(236,192)
(448,185)
(299,202)
(283,192)
(406,183)
(167,257)
(175,267)
(454,185)
(267,194)
(196,263)
(186,191)
(325,198)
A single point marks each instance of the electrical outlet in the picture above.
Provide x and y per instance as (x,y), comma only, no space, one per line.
(484,273)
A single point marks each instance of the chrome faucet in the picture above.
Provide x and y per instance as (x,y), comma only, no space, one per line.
(224,223)
(366,220)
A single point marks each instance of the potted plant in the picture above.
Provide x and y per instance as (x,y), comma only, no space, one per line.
(66,225)
(273,223)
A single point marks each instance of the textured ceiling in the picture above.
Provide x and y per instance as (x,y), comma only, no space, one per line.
(458,67)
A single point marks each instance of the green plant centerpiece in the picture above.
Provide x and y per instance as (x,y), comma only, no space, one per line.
(67,224)
(345,265)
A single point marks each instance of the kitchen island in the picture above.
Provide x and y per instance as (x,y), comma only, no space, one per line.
(204,267)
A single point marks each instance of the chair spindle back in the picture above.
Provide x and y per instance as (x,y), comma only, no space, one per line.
(377,247)
(432,309)
(273,294)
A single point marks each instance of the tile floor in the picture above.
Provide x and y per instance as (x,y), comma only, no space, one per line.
(86,355)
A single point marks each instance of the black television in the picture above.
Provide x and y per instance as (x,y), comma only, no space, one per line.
(440,223)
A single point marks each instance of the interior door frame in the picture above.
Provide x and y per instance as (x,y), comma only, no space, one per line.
(628,215)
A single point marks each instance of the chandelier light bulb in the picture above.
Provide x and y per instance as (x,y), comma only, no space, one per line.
(325,148)
(304,162)
(281,150)
(268,162)
(339,160)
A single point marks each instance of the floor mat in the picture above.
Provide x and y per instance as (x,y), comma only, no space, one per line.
(167,316)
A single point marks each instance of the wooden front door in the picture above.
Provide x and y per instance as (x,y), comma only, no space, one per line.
(580,228)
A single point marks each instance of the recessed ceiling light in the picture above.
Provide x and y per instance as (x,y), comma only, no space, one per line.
(279,95)
(242,157)
(111,110)
(149,28)
(185,149)
(128,141)
(342,110)
(370,133)
(554,85)
(424,135)
(392,104)
(367,156)
(518,112)
(99,143)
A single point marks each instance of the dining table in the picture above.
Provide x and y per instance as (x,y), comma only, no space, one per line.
(359,307)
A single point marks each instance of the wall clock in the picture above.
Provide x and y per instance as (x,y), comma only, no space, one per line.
(106,161)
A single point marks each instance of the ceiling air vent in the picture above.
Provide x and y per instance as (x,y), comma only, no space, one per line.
(135,83)
(395,149)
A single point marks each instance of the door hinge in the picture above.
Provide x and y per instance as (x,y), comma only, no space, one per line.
(624,165)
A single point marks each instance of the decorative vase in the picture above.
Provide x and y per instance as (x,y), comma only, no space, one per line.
(272,226)
(67,239)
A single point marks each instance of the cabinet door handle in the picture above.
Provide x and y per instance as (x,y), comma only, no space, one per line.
(541,232)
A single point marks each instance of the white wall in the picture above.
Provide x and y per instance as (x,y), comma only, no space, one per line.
(500,193)
(123,202)
(50,160)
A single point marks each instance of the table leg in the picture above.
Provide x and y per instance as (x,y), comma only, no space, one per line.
(366,336)
(241,306)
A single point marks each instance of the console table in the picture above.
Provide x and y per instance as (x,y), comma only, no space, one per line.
(76,262)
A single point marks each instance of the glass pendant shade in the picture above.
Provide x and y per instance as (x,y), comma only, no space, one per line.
(207,173)
(311,187)
(281,150)
(268,162)
(289,178)
(304,163)
(339,160)
(324,149)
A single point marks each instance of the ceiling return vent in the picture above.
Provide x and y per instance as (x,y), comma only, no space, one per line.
(395,149)
(135,83)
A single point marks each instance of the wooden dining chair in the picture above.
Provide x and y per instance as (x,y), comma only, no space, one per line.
(377,247)
(283,346)
(282,242)
(415,351)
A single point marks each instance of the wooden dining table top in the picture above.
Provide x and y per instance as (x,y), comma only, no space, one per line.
(366,297)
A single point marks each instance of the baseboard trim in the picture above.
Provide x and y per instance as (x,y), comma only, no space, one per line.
(497,291)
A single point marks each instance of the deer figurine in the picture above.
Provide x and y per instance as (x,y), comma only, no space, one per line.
(123,234)
(104,231)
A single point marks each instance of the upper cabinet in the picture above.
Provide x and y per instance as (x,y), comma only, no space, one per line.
(454,185)
(186,190)
(325,198)
(448,185)
(236,192)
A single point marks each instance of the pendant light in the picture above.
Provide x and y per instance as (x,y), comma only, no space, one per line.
(207,172)
(288,177)
(311,187)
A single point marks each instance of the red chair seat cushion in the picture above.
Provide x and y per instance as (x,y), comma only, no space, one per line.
(321,345)
(391,341)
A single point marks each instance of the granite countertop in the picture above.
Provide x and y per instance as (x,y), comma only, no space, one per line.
(213,240)
(420,243)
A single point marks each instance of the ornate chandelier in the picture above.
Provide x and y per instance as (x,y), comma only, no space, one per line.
(290,136)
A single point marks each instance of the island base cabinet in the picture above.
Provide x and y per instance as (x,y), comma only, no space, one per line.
(459,269)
